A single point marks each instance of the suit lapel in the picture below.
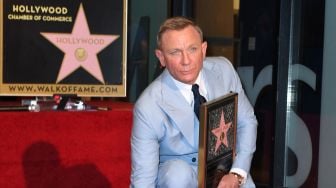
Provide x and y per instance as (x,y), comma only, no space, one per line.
(173,103)
(211,77)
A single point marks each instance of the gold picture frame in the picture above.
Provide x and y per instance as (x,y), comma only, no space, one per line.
(217,139)
(63,47)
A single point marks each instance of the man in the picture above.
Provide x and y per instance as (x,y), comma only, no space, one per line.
(165,129)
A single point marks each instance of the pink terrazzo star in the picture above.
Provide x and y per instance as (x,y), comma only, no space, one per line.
(221,132)
(80,48)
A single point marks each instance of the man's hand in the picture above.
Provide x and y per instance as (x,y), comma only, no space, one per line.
(229,181)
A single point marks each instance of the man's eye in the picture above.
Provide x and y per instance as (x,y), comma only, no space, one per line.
(175,52)
(193,49)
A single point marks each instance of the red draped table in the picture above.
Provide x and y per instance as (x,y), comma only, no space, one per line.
(66,149)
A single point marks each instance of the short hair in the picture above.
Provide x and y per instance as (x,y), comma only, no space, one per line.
(176,23)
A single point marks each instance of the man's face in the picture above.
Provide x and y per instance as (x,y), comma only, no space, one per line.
(182,53)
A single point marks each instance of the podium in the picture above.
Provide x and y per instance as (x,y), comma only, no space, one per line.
(66,149)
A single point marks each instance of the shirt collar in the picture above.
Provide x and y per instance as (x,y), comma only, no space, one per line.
(185,89)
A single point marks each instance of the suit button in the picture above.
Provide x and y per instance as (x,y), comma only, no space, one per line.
(193,159)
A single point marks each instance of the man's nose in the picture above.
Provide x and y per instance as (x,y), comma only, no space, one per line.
(186,58)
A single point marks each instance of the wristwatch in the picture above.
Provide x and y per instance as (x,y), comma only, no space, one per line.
(239,177)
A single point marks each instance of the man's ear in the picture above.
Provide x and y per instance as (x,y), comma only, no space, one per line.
(204,48)
(160,56)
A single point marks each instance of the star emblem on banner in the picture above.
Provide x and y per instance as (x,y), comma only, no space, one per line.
(221,132)
(80,48)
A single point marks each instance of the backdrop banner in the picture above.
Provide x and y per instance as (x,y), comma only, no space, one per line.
(63,47)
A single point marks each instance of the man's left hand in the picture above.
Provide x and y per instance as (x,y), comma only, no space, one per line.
(228,181)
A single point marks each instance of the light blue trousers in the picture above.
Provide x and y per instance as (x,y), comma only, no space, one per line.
(177,174)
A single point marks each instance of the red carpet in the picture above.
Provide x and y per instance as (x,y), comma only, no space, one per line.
(66,149)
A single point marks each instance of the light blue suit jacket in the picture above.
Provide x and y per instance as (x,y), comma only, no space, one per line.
(164,123)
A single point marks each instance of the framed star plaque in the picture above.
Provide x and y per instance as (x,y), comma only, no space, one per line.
(218,125)
(75,47)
